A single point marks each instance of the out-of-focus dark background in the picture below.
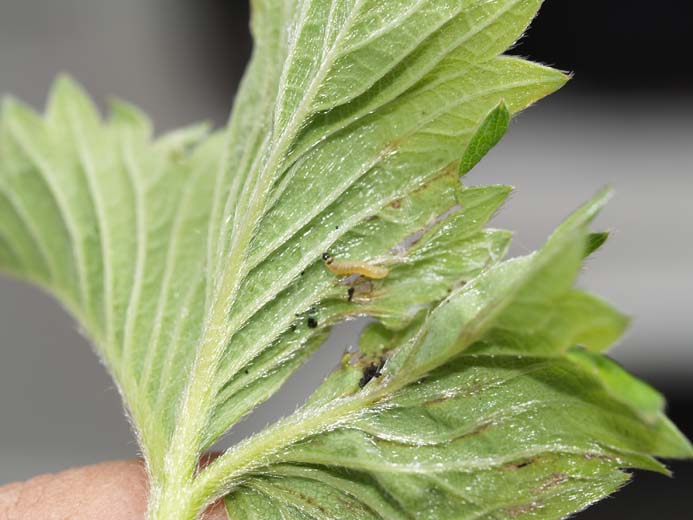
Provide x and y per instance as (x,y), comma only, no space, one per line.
(625,120)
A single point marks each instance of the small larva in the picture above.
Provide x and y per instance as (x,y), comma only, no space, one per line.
(371,371)
(346,267)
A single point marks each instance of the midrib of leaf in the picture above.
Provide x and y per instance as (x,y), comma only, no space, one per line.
(329,24)
(330,56)
(213,338)
(243,153)
(465,465)
(198,395)
(299,116)
(222,475)
(495,418)
(226,472)
(229,284)
(262,64)
(288,132)
(397,400)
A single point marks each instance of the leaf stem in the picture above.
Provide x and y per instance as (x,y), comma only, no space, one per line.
(220,477)
(185,497)
(198,399)
(226,472)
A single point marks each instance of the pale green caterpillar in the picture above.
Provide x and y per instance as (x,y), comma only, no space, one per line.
(349,267)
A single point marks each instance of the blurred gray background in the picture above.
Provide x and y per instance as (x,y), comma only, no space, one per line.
(625,120)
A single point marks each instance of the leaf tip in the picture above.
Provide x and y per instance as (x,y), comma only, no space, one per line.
(67,91)
(64,84)
(678,447)
(7,104)
(560,77)
(591,208)
(595,241)
(487,135)
(14,108)
(127,114)
(684,450)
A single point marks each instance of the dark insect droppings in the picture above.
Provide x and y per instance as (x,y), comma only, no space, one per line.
(371,371)
(312,323)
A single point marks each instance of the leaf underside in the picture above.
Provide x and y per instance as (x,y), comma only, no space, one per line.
(194,262)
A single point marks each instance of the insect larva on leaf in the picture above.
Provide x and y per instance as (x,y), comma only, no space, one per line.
(371,371)
(348,267)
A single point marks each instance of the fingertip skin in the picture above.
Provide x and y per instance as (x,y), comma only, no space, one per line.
(107,491)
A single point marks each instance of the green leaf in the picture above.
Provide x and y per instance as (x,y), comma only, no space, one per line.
(114,225)
(554,326)
(622,386)
(305,486)
(195,263)
(486,136)
(596,241)
(481,438)
(470,432)
(508,295)
(274,282)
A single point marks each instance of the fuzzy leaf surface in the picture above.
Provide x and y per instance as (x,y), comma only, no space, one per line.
(475,430)
(196,263)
